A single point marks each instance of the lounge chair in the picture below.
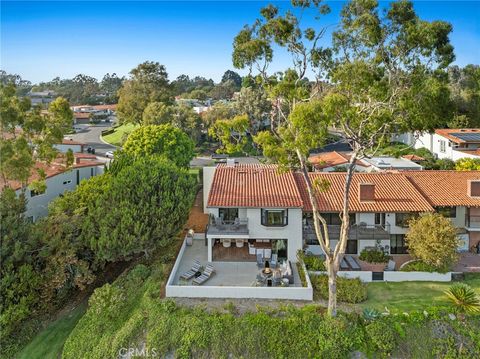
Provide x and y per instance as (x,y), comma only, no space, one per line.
(207,273)
(352,263)
(195,268)
(259,260)
(344,264)
(390,266)
(274,260)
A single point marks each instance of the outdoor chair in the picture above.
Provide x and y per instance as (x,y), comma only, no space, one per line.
(274,260)
(390,266)
(352,263)
(344,264)
(277,278)
(195,268)
(207,273)
(260,260)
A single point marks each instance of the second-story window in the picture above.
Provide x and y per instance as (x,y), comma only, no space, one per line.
(274,217)
(228,214)
(443,147)
(447,212)
(402,219)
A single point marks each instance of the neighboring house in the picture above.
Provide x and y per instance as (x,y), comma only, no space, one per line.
(42,97)
(255,202)
(84,113)
(58,180)
(338,161)
(452,144)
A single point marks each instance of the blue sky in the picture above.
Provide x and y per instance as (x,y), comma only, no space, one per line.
(41,40)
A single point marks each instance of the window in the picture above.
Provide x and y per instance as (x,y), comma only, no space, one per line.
(397,244)
(402,219)
(274,217)
(442,146)
(334,218)
(67,182)
(228,214)
(447,212)
(380,219)
(78,177)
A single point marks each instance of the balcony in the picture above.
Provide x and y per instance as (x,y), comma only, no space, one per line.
(218,226)
(356,232)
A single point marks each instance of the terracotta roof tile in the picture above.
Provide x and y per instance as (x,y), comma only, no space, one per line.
(393,193)
(253,185)
(331,159)
(445,188)
(413,158)
(449,133)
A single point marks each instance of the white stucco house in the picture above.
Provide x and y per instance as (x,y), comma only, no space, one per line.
(58,180)
(452,144)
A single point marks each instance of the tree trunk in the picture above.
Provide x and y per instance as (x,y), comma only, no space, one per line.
(332,287)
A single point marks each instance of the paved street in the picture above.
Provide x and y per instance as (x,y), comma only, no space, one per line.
(91,136)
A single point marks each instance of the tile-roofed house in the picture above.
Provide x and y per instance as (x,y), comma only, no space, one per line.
(253,185)
(330,160)
(460,135)
(445,188)
(393,193)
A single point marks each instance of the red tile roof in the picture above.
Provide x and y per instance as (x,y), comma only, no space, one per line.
(331,159)
(393,193)
(253,185)
(448,133)
(445,188)
(68,141)
(413,158)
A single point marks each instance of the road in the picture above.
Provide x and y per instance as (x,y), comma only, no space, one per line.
(90,134)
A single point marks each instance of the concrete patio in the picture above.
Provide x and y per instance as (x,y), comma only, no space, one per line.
(236,274)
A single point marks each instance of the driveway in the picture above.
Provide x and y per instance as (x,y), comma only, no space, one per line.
(90,134)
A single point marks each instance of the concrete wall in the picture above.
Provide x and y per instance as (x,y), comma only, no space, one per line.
(208,173)
(397,276)
(37,206)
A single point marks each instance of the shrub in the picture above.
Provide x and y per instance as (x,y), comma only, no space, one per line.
(382,336)
(349,290)
(314,263)
(419,266)
(463,298)
(374,256)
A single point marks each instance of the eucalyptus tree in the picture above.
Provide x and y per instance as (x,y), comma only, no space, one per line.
(383,72)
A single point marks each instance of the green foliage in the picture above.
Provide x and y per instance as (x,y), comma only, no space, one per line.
(232,133)
(463,298)
(432,238)
(157,113)
(419,266)
(312,263)
(148,83)
(349,290)
(374,255)
(382,336)
(165,141)
(468,164)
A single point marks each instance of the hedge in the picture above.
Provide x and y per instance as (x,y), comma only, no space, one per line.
(348,290)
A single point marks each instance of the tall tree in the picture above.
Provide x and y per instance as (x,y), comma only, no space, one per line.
(388,75)
(110,85)
(148,83)
(255,104)
(234,77)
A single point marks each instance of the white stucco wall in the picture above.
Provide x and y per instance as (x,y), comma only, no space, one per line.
(65,147)
(37,206)
(208,173)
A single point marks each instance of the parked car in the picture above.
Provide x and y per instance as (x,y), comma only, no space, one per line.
(109,154)
(91,150)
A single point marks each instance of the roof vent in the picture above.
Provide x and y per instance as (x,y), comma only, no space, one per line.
(366,192)
(474,188)
(230,162)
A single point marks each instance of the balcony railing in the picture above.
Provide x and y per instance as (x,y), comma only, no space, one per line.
(472,221)
(356,232)
(219,226)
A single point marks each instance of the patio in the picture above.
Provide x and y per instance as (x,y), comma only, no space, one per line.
(230,274)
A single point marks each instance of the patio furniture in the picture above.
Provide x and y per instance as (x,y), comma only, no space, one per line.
(207,273)
(190,273)
(251,249)
(352,263)
(390,266)
(286,271)
(239,243)
(274,260)
(219,223)
(226,243)
(259,260)
(344,264)
(189,237)
(277,278)
(268,253)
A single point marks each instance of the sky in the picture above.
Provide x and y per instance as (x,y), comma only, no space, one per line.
(41,40)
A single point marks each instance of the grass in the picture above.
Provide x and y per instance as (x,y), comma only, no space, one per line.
(407,296)
(49,342)
(116,137)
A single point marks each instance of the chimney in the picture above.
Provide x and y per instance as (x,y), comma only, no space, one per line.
(474,188)
(366,192)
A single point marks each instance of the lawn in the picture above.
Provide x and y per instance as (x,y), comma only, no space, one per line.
(49,342)
(116,137)
(406,296)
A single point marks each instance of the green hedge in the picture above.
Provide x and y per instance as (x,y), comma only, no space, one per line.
(348,290)
(374,256)
(419,266)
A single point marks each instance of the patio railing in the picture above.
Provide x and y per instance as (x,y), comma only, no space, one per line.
(356,232)
(217,225)
(472,221)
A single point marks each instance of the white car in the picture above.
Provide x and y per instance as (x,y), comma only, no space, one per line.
(109,154)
